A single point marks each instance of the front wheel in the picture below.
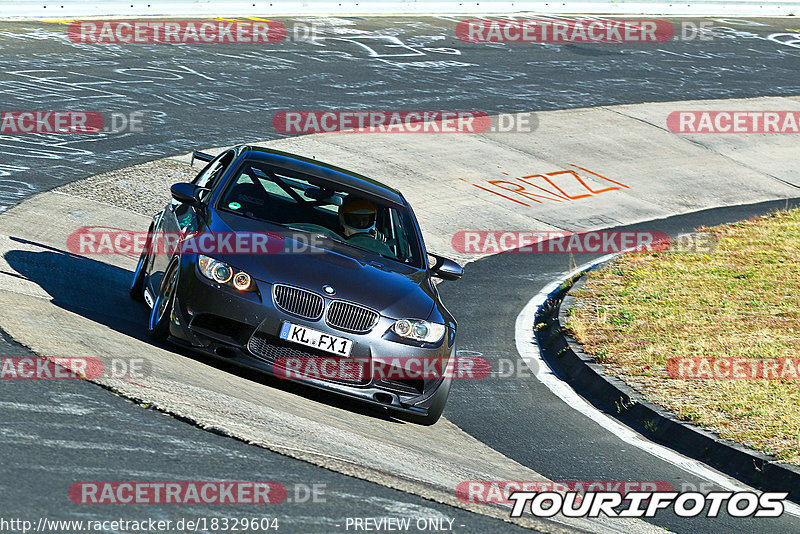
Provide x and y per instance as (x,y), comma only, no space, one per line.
(158,326)
(136,290)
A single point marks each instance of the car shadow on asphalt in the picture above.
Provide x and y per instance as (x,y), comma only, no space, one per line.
(98,291)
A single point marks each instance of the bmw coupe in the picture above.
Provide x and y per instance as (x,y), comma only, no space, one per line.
(279,262)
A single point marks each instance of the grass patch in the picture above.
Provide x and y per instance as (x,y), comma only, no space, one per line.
(741,300)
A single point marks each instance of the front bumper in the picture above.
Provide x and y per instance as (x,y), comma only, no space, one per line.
(243,327)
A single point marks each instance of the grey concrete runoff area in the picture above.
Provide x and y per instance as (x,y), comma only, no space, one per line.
(614,164)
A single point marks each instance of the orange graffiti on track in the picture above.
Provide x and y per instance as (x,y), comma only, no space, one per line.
(557,186)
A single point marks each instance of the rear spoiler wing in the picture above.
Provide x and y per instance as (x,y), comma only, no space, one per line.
(202,156)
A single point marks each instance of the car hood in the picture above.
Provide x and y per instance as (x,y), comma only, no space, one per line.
(394,289)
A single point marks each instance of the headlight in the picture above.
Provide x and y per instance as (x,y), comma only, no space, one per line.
(222,273)
(241,281)
(419,330)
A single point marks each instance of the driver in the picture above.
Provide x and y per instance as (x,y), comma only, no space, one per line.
(358,216)
(358,219)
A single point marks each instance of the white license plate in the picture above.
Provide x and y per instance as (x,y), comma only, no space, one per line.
(314,338)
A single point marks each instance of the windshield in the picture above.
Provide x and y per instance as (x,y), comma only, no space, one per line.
(300,202)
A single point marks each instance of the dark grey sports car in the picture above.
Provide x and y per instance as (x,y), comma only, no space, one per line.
(306,271)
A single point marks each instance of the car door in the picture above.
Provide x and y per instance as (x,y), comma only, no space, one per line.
(179,218)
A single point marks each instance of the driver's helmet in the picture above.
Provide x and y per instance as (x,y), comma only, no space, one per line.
(357,216)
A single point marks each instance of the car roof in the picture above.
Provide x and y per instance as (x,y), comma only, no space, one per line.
(325,171)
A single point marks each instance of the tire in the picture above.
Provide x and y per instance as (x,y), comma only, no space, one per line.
(136,291)
(435,410)
(158,325)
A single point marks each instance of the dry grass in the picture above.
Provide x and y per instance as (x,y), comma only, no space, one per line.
(742,300)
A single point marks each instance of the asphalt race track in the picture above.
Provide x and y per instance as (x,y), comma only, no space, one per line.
(58,432)
(223,94)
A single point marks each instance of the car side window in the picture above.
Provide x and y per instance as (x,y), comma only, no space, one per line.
(399,240)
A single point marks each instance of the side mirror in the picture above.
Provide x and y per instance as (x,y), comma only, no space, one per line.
(187,193)
(446,269)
